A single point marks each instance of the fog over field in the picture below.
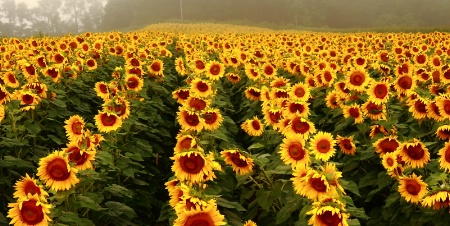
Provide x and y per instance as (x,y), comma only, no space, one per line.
(55,17)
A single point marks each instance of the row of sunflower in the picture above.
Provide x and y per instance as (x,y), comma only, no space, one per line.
(35,75)
(367,93)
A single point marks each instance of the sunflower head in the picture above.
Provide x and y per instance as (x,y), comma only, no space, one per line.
(29,210)
(240,163)
(56,172)
(412,188)
(28,185)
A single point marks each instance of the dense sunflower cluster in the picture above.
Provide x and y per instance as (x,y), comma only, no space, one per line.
(28,68)
(358,75)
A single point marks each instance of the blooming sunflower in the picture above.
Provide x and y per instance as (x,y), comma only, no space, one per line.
(29,210)
(27,98)
(191,166)
(346,145)
(313,185)
(81,158)
(28,185)
(433,111)
(443,104)
(443,132)
(179,66)
(29,71)
(107,122)
(296,107)
(253,127)
(233,77)
(253,93)
(134,83)
(185,142)
(389,161)
(444,159)
(181,95)
(438,200)
(74,127)
(212,119)
(240,163)
(332,100)
(414,153)
(91,64)
(357,79)
(156,67)
(56,172)
(322,146)
(378,92)
(293,151)
(419,108)
(413,189)
(404,83)
(325,214)
(251,73)
(300,92)
(353,111)
(10,79)
(377,129)
(386,144)
(190,120)
(300,126)
(215,70)
(121,107)
(201,88)
(209,216)
(268,70)
(374,111)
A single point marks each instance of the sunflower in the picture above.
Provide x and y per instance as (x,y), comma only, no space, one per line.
(156,67)
(444,159)
(346,145)
(419,108)
(190,120)
(268,70)
(253,127)
(56,172)
(353,111)
(107,121)
(253,93)
(29,71)
(179,66)
(101,88)
(29,99)
(414,153)
(332,100)
(81,158)
(389,161)
(438,200)
(189,203)
(185,142)
(74,127)
(405,83)
(300,126)
(413,189)
(134,83)
(233,77)
(91,64)
(181,95)
(28,185)
(443,104)
(5,96)
(212,119)
(121,107)
(191,166)
(377,129)
(322,146)
(250,223)
(293,151)
(29,210)
(251,73)
(240,163)
(175,194)
(313,185)
(386,144)
(197,104)
(433,111)
(215,70)
(209,216)
(443,132)
(297,107)
(374,111)
(299,92)
(201,88)
(325,214)
(342,90)
(10,79)
(357,79)
(2,113)
(379,92)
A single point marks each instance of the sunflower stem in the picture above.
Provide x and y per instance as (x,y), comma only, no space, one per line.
(257,184)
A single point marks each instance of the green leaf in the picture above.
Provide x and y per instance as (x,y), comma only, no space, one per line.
(280,170)
(350,186)
(353,222)
(117,209)
(357,212)
(256,146)
(3,220)
(70,217)
(87,202)
(264,199)
(232,218)
(286,211)
(55,139)
(228,204)
(392,198)
(104,158)
(9,161)
(59,103)
(119,191)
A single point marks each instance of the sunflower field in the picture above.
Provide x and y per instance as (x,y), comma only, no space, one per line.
(207,124)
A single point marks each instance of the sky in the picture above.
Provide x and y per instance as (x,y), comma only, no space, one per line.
(30,3)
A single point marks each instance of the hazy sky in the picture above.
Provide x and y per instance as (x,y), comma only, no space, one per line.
(31,3)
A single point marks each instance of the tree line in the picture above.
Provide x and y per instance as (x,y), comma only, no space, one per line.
(56,17)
